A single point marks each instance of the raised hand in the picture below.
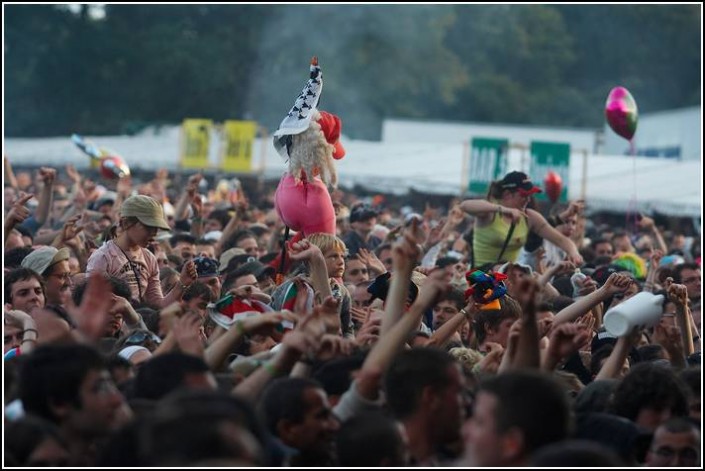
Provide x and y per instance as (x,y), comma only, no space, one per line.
(656,257)
(433,289)
(19,211)
(187,331)
(333,346)
(304,250)
(514,213)
(405,252)
(369,332)
(371,261)
(73,174)
(268,322)
(188,273)
(436,233)
(91,316)
(47,175)
(568,338)
(491,362)
(617,283)
(197,205)
(71,228)
(646,223)
(678,294)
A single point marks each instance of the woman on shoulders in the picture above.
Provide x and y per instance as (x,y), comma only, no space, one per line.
(506,206)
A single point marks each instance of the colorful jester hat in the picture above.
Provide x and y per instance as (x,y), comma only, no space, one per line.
(299,117)
(486,289)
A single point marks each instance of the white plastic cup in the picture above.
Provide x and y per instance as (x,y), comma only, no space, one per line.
(643,309)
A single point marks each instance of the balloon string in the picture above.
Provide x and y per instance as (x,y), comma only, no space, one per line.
(632,208)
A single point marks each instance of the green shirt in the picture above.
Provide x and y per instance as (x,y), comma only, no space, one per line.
(488,240)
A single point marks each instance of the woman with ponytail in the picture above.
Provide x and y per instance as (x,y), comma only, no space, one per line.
(503,221)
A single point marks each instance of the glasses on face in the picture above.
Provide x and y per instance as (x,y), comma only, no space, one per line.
(688,454)
(140,336)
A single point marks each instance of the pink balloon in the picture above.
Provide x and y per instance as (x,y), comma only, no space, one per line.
(621,112)
(553,186)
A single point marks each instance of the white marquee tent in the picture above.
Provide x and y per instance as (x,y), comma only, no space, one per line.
(614,183)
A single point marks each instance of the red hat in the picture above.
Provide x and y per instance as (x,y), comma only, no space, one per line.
(331,125)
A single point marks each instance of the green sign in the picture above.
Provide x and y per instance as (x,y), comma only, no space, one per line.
(550,157)
(488,162)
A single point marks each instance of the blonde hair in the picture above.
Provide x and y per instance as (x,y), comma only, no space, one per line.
(467,357)
(326,242)
(311,152)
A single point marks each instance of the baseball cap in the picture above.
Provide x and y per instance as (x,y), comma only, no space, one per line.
(505,268)
(42,258)
(362,212)
(146,209)
(518,181)
(228,255)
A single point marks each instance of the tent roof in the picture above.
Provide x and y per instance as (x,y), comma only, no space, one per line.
(614,183)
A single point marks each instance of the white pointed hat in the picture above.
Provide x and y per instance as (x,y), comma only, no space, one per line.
(299,117)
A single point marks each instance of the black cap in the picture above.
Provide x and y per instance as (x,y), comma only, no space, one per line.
(362,212)
(518,181)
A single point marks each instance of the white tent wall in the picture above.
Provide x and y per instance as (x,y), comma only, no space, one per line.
(614,183)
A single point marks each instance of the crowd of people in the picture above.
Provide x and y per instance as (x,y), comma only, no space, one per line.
(170,322)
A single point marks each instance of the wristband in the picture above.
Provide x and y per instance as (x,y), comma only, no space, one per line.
(31,330)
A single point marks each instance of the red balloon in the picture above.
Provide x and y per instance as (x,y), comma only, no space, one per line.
(621,112)
(113,167)
(553,186)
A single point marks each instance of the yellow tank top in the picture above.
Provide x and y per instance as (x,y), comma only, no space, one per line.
(488,240)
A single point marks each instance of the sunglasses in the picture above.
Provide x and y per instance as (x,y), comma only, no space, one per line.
(140,336)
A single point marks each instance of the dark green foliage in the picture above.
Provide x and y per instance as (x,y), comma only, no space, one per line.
(155,64)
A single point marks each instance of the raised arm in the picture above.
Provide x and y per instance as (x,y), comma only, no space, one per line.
(483,210)
(404,254)
(390,343)
(616,283)
(48,176)
(17,214)
(539,225)
(649,225)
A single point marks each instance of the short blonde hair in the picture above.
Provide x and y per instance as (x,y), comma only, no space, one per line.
(326,242)
(466,356)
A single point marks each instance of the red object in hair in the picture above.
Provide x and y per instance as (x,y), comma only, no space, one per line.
(331,126)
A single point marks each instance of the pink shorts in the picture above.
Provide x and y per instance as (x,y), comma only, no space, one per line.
(305,207)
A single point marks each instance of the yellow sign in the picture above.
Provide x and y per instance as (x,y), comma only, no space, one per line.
(195,139)
(237,149)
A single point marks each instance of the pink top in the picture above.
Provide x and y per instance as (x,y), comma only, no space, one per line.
(110,259)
